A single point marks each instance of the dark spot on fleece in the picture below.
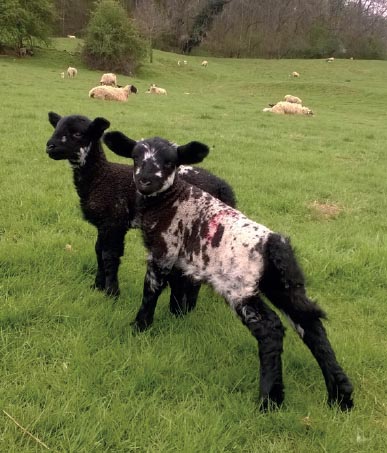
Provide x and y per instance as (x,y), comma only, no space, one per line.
(258,248)
(206,258)
(217,236)
(192,239)
(204,229)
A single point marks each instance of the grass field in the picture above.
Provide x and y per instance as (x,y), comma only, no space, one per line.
(72,372)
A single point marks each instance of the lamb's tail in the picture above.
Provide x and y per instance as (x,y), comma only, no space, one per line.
(283,281)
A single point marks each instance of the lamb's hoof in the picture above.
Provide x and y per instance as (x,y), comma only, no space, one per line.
(141,324)
(343,395)
(180,310)
(113,291)
(273,400)
(97,287)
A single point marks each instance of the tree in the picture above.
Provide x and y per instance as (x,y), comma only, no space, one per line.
(112,42)
(202,24)
(23,20)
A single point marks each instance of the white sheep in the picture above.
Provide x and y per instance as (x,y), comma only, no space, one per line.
(71,72)
(204,63)
(154,89)
(108,79)
(295,74)
(289,108)
(62,75)
(330,59)
(109,93)
(71,36)
(292,99)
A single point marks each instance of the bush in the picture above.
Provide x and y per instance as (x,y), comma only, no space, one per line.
(112,42)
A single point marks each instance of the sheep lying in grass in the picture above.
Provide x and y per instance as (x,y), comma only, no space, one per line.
(109,79)
(109,93)
(72,72)
(154,89)
(289,108)
(187,228)
(295,74)
(107,197)
(292,99)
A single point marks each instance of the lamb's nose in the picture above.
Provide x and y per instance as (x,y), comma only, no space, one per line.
(144,182)
(49,147)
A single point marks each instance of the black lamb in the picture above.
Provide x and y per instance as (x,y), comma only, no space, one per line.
(107,198)
(187,228)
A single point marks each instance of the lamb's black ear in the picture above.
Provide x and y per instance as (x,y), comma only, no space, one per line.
(192,153)
(97,128)
(119,143)
(53,118)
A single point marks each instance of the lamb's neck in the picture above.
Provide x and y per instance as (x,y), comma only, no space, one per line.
(150,208)
(89,168)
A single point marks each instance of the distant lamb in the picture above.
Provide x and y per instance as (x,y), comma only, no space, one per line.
(289,108)
(330,59)
(109,79)
(107,198)
(108,93)
(62,75)
(71,36)
(71,72)
(154,89)
(204,63)
(295,74)
(292,99)
(186,228)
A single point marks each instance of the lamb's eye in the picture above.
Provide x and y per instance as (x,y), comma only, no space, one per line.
(77,135)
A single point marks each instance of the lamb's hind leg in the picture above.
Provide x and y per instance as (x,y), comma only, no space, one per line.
(283,284)
(266,327)
(112,250)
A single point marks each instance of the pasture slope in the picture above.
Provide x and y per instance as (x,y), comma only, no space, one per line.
(73,374)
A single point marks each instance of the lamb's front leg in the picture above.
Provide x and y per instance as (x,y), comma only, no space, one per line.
(100,278)
(154,282)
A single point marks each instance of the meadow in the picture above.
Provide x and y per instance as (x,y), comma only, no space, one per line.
(72,371)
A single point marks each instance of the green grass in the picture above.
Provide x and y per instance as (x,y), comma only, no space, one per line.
(73,374)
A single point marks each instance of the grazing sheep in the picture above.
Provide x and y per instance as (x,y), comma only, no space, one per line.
(62,75)
(204,63)
(187,228)
(295,74)
(109,79)
(154,89)
(109,93)
(330,59)
(292,99)
(71,36)
(71,72)
(107,198)
(289,108)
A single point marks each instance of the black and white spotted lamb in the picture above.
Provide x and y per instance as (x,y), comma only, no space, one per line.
(187,228)
(107,197)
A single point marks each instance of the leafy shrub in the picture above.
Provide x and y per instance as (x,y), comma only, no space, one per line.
(112,42)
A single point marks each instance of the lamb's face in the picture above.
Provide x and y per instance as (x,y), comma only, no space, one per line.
(69,139)
(73,137)
(155,164)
